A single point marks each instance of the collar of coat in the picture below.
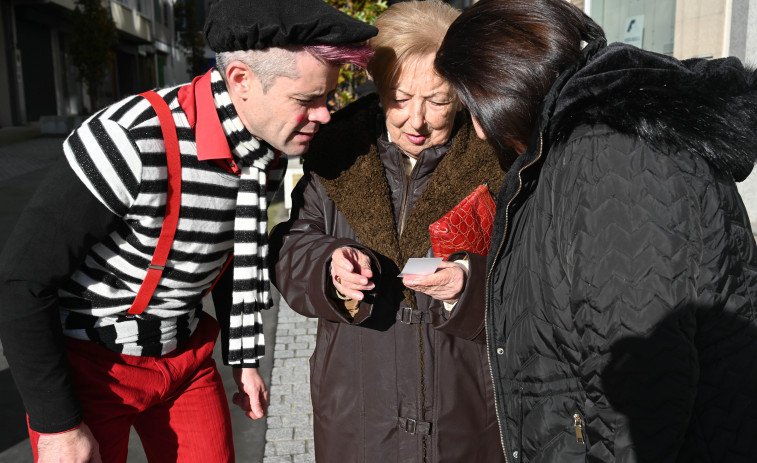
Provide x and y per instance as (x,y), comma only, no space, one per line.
(345,159)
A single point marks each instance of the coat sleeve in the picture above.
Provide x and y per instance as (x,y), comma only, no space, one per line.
(301,252)
(50,240)
(466,320)
(627,218)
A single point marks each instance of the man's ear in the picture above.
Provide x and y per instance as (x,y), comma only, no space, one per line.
(240,79)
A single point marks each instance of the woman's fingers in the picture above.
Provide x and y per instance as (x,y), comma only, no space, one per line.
(351,273)
(445,284)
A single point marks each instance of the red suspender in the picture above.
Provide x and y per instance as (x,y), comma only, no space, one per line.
(173,202)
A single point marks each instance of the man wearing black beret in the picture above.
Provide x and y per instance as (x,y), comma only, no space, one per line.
(101,282)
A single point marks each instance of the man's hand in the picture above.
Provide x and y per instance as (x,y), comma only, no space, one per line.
(75,446)
(351,272)
(446,284)
(253,393)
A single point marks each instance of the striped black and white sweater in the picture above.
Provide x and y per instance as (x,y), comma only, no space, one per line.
(119,155)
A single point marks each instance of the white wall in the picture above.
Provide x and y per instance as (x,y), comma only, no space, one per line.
(751,38)
(744,46)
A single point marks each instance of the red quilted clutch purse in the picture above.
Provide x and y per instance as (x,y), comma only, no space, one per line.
(467,227)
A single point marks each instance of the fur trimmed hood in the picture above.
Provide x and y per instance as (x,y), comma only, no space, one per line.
(708,107)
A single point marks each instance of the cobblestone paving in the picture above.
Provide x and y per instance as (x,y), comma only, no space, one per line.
(289,438)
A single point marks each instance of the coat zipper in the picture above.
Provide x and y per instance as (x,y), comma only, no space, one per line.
(406,182)
(403,210)
(578,423)
(486,292)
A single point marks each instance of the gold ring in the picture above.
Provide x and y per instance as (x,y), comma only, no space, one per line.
(338,280)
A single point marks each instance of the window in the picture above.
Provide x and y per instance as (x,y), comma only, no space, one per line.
(647,24)
(167,14)
(142,7)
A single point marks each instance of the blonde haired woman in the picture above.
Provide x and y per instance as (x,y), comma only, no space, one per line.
(399,374)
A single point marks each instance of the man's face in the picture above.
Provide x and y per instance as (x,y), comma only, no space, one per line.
(289,114)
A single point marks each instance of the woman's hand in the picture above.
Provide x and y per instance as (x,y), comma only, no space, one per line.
(351,272)
(446,284)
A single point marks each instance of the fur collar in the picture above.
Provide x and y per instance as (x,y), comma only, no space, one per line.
(708,107)
(346,160)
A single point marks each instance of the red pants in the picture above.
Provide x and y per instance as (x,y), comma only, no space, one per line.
(176,402)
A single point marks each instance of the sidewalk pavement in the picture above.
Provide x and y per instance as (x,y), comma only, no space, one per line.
(284,436)
(290,416)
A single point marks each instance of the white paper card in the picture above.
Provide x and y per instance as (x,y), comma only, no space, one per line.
(421,266)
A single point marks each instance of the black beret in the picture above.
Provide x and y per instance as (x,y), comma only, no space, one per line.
(256,24)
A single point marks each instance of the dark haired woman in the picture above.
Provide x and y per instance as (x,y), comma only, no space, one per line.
(622,279)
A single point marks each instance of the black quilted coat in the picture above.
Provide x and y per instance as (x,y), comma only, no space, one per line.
(623,273)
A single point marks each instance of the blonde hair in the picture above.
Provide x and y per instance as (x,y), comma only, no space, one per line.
(407,31)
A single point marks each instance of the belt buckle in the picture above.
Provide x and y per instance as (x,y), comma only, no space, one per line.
(411,425)
(406,315)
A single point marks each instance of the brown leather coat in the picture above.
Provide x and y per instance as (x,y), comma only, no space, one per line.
(404,380)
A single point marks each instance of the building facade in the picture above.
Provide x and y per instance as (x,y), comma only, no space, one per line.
(681,28)
(39,79)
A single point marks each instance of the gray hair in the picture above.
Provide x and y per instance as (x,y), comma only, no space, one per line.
(266,64)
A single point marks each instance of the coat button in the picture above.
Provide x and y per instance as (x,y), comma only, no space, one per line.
(515,454)
(500,350)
